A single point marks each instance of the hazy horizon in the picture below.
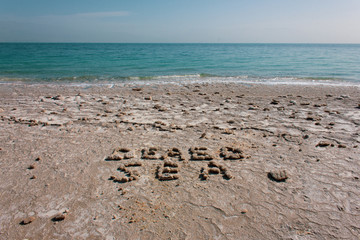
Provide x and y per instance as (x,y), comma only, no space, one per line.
(200,21)
(244,43)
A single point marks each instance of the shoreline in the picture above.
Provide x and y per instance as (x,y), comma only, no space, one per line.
(112,84)
(185,80)
(252,161)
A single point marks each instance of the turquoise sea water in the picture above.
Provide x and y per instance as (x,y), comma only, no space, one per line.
(112,62)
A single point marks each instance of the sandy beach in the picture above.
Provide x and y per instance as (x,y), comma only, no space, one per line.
(166,161)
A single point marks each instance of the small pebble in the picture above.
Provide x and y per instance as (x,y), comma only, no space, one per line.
(58,218)
(32,166)
(274,102)
(58,97)
(203,135)
(323,144)
(27,220)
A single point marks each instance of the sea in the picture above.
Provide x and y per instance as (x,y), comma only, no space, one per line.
(119,63)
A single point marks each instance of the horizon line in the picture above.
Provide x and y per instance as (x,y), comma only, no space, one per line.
(54,42)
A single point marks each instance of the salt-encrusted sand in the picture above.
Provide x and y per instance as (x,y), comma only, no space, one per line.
(211,161)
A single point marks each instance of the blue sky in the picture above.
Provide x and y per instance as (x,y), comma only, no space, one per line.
(249,21)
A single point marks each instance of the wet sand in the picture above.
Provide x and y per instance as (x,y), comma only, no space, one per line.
(198,161)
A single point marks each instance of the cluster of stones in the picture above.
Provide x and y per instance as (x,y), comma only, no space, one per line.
(161,126)
(168,171)
(200,154)
(130,175)
(214,168)
(120,154)
(196,154)
(151,153)
(230,153)
(174,153)
(30,122)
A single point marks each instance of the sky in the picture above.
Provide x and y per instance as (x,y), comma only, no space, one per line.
(180,21)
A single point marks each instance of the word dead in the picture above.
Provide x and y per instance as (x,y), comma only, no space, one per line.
(169,168)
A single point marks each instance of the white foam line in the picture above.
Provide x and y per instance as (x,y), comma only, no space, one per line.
(194,79)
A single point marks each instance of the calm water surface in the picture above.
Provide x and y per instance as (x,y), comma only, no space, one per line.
(96,62)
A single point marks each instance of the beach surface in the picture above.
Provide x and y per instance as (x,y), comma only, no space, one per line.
(166,161)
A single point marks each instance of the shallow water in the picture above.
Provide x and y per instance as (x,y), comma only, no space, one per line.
(119,63)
